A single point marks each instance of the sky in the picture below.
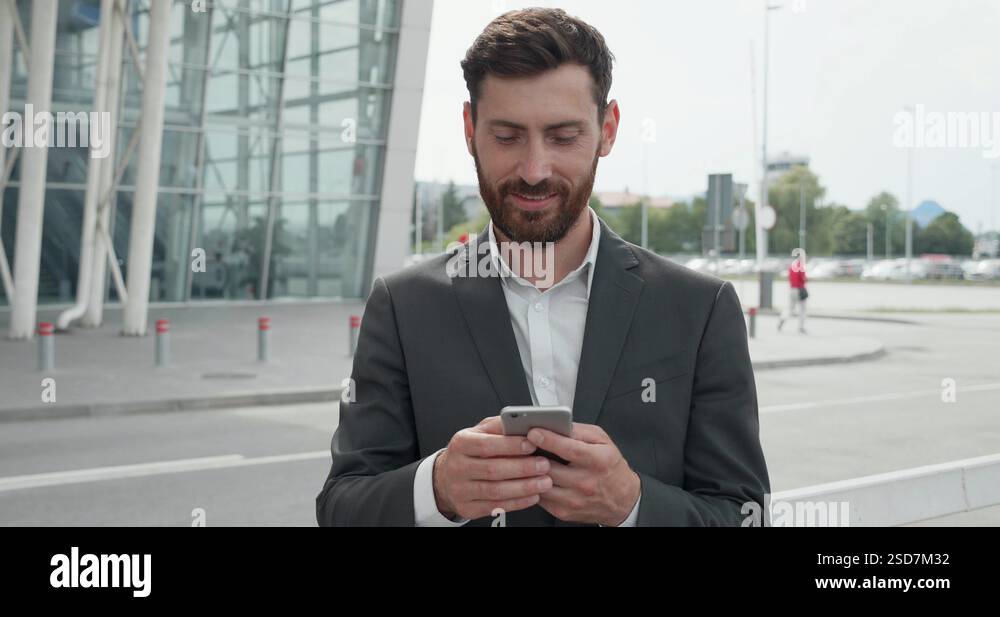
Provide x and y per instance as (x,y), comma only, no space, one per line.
(840,73)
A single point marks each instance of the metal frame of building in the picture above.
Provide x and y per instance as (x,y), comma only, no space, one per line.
(382,215)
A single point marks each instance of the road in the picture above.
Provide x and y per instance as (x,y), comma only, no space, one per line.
(264,465)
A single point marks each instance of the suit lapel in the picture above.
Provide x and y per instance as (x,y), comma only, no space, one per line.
(483,303)
(614,295)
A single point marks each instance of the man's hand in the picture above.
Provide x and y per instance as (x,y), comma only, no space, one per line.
(482,470)
(597,486)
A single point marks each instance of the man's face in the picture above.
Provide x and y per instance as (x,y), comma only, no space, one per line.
(535,143)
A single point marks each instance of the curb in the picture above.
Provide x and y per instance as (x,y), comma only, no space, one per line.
(252,399)
(800,362)
(313,395)
(910,495)
(896,320)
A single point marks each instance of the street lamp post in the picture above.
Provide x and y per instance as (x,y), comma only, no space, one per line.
(993,206)
(644,202)
(802,214)
(760,232)
(909,207)
(418,219)
(888,249)
(870,237)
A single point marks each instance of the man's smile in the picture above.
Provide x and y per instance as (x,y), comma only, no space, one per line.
(533,202)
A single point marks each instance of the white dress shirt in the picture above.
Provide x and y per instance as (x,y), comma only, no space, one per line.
(548,327)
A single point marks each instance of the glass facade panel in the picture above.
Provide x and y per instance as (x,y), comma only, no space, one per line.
(276,114)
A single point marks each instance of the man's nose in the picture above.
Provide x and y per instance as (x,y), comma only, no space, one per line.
(535,167)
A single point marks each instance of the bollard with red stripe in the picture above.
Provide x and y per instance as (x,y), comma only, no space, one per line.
(753,321)
(162,342)
(354,330)
(46,346)
(263,339)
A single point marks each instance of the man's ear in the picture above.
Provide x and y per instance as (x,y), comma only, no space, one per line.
(470,129)
(609,128)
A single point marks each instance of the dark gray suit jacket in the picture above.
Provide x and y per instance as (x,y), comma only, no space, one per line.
(437,354)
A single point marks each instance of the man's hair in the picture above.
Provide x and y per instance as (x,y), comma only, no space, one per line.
(531,41)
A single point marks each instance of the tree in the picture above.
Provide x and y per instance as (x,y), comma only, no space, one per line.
(785,195)
(675,229)
(452,208)
(945,235)
(595,203)
(850,234)
(467,228)
(881,209)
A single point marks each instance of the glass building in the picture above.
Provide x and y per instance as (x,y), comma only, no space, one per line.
(275,142)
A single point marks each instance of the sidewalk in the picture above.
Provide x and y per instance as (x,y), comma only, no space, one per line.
(846,297)
(213,360)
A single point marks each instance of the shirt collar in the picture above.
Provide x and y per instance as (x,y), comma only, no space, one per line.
(590,259)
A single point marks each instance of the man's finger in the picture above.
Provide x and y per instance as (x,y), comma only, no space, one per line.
(567,476)
(512,505)
(501,491)
(495,469)
(572,450)
(590,433)
(561,496)
(566,500)
(486,445)
(490,424)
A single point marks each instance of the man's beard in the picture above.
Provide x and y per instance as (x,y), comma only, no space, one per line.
(549,225)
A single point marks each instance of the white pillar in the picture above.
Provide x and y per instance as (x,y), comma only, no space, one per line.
(6,69)
(147,177)
(94,166)
(34,162)
(392,224)
(112,98)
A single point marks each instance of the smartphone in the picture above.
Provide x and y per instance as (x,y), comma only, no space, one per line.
(519,419)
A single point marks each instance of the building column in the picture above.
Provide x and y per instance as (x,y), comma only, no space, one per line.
(94,165)
(140,246)
(6,70)
(112,99)
(392,218)
(34,163)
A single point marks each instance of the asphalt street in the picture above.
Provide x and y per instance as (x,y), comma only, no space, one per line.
(265,465)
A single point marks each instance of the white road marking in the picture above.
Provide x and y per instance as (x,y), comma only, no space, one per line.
(117,472)
(892,396)
(881,479)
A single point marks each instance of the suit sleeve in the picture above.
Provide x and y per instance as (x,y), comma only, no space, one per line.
(724,468)
(374,449)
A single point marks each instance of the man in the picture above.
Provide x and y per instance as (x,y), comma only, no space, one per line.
(651,357)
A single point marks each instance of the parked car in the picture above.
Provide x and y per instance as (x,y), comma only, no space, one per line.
(894,270)
(833,268)
(942,267)
(853,267)
(736,266)
(984,270)
(702,264)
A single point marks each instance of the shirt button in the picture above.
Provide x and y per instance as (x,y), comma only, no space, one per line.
(538,307)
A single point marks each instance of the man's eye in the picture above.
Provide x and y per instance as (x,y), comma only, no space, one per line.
(564,141)
(505,139)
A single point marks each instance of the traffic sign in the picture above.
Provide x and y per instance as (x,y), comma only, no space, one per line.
(768,217)
(741,219)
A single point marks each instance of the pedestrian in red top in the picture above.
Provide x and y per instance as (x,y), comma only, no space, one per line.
(797,293)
